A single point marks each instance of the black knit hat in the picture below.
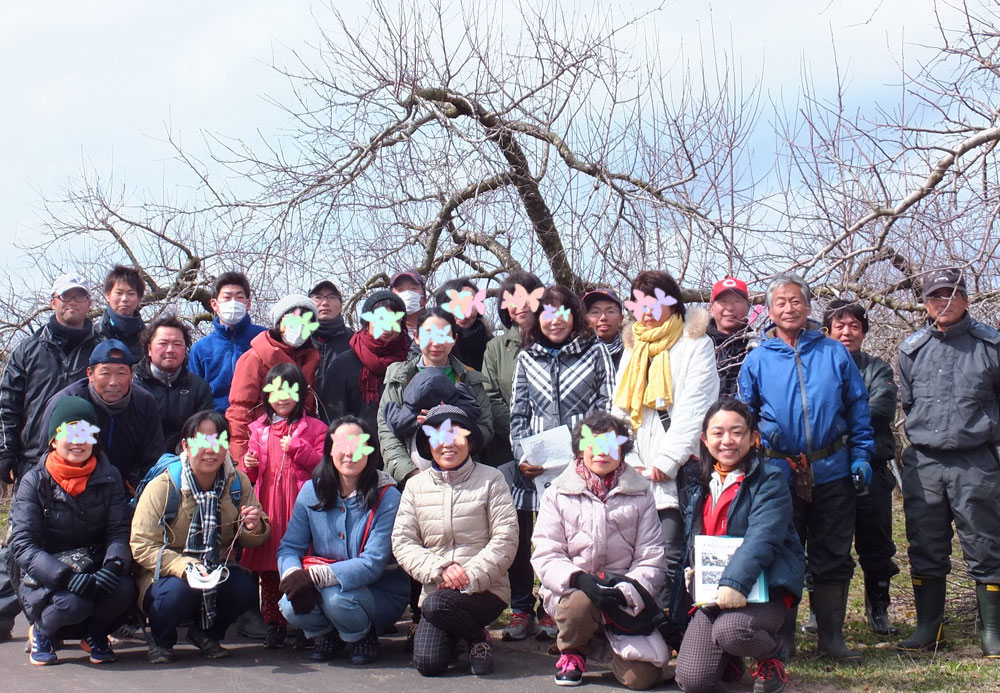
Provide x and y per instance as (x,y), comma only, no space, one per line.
(69,409)
(459,417)
(376,297)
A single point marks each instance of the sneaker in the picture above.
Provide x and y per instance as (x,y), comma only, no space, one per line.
(99,649)
(130,631)
(770,676)
(42,650)
(734,669)
(251,625)
(160,655)
(547,629)
(275,638)
(481,656)
(522,624)
(327,647)
(365,650)
(299,639)
(569,669)
(209,646)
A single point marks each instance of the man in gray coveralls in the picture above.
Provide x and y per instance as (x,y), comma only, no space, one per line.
(949,373)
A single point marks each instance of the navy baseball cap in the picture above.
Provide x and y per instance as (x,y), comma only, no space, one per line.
(103,353)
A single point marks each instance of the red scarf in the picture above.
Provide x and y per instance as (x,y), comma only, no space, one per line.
(598,485)
(376,355)
(72,477)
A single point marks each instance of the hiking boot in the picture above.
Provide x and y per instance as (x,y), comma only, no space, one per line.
(481,656)
(570,669)
(877,606)
(275,638)
(251,625)
(831,609)
(327,647)
(928,597)
(769,676)
(43,651)
(522,624)
(547,629)
(209,646)
(365,650)
(988,597)
(734,669)
(160,655)
(99,648)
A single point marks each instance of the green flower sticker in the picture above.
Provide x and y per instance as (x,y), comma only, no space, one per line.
(353,445)
(77,432)
(302,324)
(278,390)
(383,320)
(213,442)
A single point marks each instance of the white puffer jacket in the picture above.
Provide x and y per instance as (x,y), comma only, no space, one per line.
(696,387)
(463,516)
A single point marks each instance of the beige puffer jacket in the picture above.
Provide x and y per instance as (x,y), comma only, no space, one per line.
(463,516)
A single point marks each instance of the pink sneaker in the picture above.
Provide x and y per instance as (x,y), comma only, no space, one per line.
(569,669)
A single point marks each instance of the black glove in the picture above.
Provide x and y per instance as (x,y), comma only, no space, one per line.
(106,579)
(300,590)
(603,596)
(8,469)
(83,584)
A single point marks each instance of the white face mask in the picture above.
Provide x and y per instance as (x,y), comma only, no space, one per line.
(197,581)
(411,300)
(292,336)
(231,312)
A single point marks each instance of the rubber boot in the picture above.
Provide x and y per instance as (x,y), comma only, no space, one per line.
(988,597)
(788,634)
(831,608)
(928,596)
(877,606)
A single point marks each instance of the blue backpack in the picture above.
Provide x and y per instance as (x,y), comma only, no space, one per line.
(171,465)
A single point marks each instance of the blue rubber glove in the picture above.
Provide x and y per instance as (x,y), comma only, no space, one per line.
(863,469)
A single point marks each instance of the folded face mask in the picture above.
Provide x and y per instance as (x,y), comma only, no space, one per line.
(197,581)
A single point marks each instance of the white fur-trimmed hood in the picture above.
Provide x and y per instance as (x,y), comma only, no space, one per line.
(695,326)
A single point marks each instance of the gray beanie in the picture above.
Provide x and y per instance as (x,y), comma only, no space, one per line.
(287,305)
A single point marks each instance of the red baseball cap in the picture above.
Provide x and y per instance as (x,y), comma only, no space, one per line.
(730,284)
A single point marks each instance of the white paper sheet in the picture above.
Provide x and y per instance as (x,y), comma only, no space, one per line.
(553,450)
(711,556)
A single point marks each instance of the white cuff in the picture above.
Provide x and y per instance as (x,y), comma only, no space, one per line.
(322,576)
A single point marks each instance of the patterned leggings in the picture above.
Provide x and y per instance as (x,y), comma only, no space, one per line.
(447,616)
(269,596)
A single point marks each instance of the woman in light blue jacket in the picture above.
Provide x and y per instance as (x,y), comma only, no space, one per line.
(348,588)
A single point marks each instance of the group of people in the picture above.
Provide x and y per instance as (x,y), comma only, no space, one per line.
(319,481)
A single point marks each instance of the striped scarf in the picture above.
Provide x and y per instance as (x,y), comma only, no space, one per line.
(203,537)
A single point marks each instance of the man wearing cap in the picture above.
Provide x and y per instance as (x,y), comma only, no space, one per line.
(39,366)
(131,435)
(410,287)
(604,313)
(729,307)
(332,337)
(949,378)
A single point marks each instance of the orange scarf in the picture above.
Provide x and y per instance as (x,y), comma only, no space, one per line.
(72,477)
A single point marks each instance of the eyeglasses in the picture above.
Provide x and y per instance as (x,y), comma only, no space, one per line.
(607,312)
(68,298)
(940,299)
(324,298)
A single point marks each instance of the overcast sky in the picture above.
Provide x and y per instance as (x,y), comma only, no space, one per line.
(103,82)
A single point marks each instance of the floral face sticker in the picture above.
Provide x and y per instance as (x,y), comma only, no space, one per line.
(213,442)
(353,445)
(431,334)
(521,298)
(77,432)
(551,313)
(300,324)
(382,320)
(278,390)
(462,303)
(608,443)
(649,304)
(445,434)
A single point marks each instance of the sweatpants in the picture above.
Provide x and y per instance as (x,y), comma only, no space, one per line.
(578,620)
(873,525)
(170,602)
(447,616)
(751,631)
(97,616)
(826,530)
(941,486)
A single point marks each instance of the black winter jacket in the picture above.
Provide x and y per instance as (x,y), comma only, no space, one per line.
(46,520)
(132,339)
(132,440)
(341,393)
(185,396)
(730,350)
(37,369)
(336,341)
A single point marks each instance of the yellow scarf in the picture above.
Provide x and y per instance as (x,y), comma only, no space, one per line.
(647,382)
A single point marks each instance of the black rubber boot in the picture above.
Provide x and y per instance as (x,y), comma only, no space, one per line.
(788,633)
(928,596)
(988,597)
(877,606)
(830,606)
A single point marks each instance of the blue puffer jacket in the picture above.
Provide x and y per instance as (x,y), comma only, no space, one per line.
(214,356)
(761,513)
(805,399)
(336,533)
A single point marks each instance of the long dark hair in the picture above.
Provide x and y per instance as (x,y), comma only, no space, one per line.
(292,374)
(707,463)
(526,279)
(326,478)
(557,295)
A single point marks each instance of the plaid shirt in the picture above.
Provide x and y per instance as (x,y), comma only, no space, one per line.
(552,388)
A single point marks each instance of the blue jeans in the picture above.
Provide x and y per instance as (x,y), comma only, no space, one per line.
(169,602)
(348,612)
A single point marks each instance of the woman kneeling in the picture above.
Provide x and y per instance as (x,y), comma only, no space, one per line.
(70,540)
(741,495)
(348,590)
